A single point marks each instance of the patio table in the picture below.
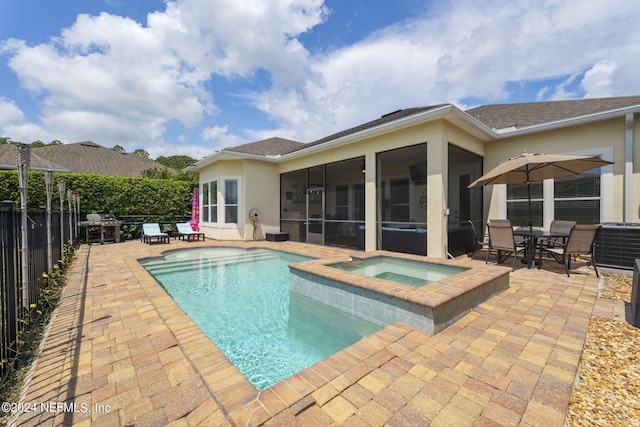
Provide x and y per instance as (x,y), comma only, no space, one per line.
(531,236)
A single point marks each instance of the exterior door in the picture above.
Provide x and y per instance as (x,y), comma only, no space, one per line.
(460,197)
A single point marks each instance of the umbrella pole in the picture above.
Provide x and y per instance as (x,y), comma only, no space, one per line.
(529,200)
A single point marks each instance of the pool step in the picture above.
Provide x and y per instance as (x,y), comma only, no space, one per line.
(210,262)
(209,256)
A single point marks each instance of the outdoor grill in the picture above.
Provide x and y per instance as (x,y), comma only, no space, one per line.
(101,228)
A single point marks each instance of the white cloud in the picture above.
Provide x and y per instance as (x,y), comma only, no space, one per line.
(214,132)
(463,49)
(220,138)
(598,80)
(117,81)
(10,113)
(111,76)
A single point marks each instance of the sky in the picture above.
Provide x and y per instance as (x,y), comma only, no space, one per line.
(190,77)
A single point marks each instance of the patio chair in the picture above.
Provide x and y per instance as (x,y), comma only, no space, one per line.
(151,230)
(580,242)
(501,239)
(557,226)
(480,241)
(500,221)
(186,232)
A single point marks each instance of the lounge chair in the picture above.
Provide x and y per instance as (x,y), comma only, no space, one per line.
(185,232)
(151,230)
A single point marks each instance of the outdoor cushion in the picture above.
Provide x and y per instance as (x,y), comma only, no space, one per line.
(185,231)
(151,230)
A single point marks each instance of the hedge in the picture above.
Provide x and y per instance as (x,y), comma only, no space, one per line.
(105,194)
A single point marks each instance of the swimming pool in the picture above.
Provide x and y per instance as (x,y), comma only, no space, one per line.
(407,272)
(240,299)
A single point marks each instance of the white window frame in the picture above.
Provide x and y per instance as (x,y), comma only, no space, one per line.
(221,199)
(548,203)
(222,206)
(211,206)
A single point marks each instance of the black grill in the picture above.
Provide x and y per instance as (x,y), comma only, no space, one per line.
(101,228)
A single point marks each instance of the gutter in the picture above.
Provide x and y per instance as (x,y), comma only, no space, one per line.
(33,168)
(573,121)
(444,112)
(213,158)
(425,116)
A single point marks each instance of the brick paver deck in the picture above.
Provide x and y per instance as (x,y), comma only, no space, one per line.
(120,352)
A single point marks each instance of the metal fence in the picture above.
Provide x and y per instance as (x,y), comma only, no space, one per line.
(16,299)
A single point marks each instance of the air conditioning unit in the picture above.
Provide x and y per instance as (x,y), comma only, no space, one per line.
(617,245)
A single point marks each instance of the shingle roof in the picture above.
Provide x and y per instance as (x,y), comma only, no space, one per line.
(268,147)
(396,115)
(89,157)
(9,154)
(500,116)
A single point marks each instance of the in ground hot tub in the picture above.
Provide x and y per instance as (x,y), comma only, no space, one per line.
(407,272)
(371,287)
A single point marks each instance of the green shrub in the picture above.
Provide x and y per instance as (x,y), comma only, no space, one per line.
(106,194)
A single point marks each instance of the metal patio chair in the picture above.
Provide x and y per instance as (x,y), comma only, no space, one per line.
(580,242)
(501,239)
(557,226)
(480,241)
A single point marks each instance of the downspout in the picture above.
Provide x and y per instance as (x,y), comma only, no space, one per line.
(628,169)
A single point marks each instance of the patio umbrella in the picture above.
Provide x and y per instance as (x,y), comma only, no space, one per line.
(530,167)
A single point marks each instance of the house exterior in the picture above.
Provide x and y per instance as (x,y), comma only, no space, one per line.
(400,182)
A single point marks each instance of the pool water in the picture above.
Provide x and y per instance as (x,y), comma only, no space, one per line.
(240,298)
(407,272)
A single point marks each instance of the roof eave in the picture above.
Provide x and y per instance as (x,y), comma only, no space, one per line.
(572,121)
(229,155)
(37,168)
(448,112)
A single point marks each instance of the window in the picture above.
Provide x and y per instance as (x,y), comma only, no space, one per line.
(210,201)
(231,201)
(220,204)
(518,204)
(577,197)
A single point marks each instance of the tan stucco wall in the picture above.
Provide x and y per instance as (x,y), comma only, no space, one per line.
(603,137)
(262,192)
(260,180)
(258,188)
(635,203)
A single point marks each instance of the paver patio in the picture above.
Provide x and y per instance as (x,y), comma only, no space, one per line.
(119,352)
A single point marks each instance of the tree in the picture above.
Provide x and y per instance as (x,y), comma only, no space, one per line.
(118,148)
(4,140)
(157,173)
(176,162)
(142,153)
